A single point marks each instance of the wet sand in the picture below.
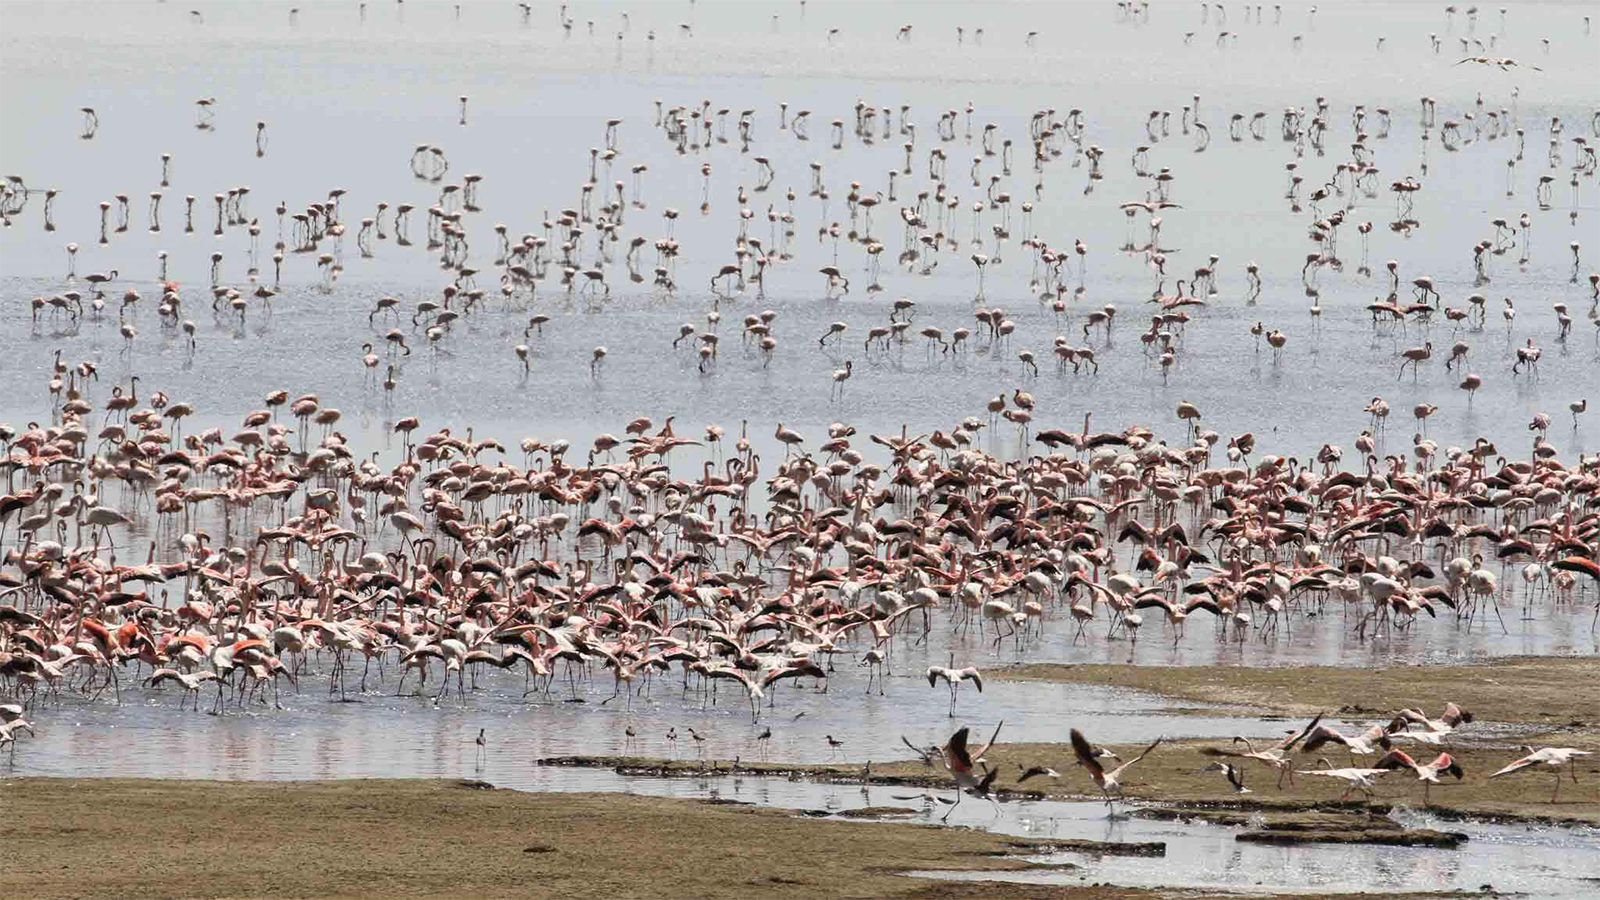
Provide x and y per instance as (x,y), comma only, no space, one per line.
(150,838)
(1535,690)
(1515,701)
(1170,775)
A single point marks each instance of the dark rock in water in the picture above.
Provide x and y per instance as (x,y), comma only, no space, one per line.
(877,812)
(1412,837)
(1108,848)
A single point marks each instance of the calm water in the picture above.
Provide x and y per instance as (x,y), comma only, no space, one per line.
(388,737)
(346,101)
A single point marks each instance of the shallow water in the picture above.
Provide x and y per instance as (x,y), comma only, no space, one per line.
(384,736)
(1539,860)
(361,94)
(347,100)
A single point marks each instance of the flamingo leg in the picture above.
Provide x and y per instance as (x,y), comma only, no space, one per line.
(953,806)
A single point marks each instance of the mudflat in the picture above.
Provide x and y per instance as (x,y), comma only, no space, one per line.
(136,838)
(1547,691)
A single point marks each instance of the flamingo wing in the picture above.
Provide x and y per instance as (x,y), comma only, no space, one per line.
(1455,715)
(1515,765)
(927,758)
(1288,743)
(1396,759)
(1322,735)
(957,750)
(989,776)
(1085,754)
(985,748)
(1444,764)
(1378,734)
(1410,717)
(1120,769)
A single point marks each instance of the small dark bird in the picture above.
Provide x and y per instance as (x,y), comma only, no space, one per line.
(1234,773)
(929,756)
(925,798)
(1032,771)
(833,744)
(983,787)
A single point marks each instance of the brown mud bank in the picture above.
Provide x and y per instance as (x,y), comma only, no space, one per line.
(156,838)
(1170,783)
(362,838)
(1542,692)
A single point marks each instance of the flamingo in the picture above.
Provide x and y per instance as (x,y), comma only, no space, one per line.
(191,682)
(1358,779)
(1234,774)
(1275,756)
(959,760)
(953,677)
(1108,782)
(1427,774)
(1366,742)
(1550,756)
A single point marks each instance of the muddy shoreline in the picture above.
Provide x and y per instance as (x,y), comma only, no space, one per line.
(138,838)
(1169,784)
(449,838)
(1537,692)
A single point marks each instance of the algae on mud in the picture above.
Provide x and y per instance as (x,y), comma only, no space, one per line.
(141,838)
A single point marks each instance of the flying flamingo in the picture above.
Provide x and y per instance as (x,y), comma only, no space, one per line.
(1434,729)
(1358,779)
(1364,743)
(1274,756)
(1427,774)
(1550,756)
(960,761)
(1107,781)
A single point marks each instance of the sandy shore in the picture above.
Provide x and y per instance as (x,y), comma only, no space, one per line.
(150,838)
(1544,692)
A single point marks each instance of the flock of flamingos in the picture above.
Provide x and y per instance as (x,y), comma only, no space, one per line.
(138,557)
